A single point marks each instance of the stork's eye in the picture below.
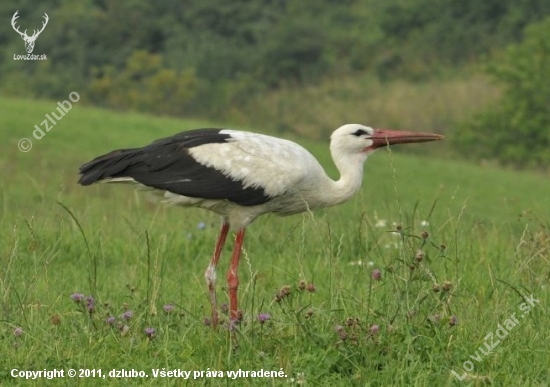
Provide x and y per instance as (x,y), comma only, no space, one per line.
(359,132)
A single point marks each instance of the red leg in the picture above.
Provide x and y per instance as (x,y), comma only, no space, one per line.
(210,273)
(232,275)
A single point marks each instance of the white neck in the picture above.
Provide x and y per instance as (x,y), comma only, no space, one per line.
(350,167)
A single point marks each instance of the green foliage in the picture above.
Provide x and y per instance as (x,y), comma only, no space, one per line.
(264,44)
(144,85)
(516,130)
(424,37)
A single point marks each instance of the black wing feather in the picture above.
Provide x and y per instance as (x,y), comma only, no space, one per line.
(167,165)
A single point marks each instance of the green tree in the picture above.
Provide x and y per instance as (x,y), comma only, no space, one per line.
(145,85)
(426,36)
(516,130)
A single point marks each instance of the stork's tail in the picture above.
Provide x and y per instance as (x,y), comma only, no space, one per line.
(110,166)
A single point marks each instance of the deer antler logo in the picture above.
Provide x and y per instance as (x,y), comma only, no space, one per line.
(29,40)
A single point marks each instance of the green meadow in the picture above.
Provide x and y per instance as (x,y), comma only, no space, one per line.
(436,274)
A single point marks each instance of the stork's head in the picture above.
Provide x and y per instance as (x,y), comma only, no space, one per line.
(360,139)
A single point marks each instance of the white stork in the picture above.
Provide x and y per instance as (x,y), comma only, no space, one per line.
(242,175)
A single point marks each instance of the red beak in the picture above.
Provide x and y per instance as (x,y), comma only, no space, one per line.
(383,137)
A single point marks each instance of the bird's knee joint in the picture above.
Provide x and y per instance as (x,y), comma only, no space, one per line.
(232,280)
(210,275)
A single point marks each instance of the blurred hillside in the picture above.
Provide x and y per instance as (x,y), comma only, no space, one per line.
(289,65)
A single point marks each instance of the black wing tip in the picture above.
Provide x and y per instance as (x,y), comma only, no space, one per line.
(89,175)
(87,179)
(101,167)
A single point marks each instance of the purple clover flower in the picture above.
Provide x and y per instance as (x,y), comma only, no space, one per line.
(77,297)
(168,308)
(150,332)
(90,304)
(17,332)
(263,317)
(110,320)
(127,315)
(374,329)
(376,274)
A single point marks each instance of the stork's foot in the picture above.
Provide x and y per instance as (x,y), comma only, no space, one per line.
(215,318)
(213,304)
(234,322)
(233,330)
(237,316)
(210,273)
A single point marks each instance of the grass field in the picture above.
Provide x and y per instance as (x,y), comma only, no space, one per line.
(483,271)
